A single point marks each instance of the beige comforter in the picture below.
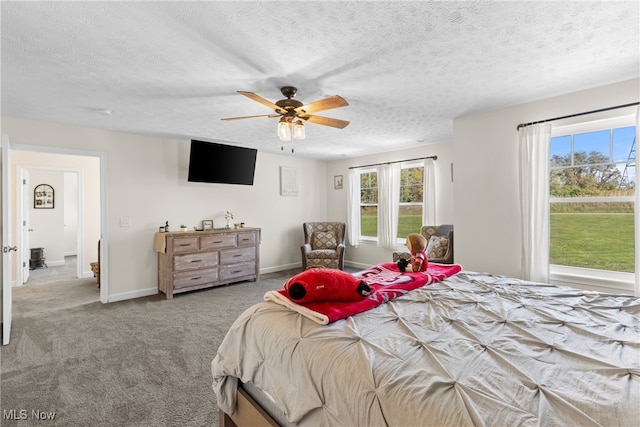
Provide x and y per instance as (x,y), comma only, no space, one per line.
(471,350)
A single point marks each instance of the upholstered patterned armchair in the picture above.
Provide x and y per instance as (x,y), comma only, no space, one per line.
(439,244)
(323,244)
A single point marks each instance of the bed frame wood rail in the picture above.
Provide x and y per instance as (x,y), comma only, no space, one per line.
(248,413)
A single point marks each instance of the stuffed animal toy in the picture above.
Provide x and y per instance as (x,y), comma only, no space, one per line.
(326,284)
(417,244)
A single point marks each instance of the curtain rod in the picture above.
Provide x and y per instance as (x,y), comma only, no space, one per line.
(522,125)
(397,161)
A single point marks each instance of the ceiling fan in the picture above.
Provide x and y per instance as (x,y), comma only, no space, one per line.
(292,112)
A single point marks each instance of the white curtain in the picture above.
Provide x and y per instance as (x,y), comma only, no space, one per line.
(429,193)
(388,204)
(636,210)
(353,208)
(534,201)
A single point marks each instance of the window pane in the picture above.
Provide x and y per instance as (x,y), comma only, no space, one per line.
(369,204)
(560,151)
(593,235)
(369,221)
(592,147)
(411,185)
(369,187)
(622,143)
(409,220)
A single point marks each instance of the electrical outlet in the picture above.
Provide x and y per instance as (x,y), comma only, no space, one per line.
(125,222)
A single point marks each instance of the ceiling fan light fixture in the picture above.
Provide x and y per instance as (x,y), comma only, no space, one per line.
(284,129)
(298,130)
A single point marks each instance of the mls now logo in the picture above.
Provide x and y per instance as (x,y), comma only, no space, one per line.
(23,414)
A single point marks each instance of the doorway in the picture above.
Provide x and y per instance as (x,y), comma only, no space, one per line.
(66,232)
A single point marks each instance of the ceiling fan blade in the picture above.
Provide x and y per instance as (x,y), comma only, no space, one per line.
(326,121)
(334,101)
(262,101)
(252,117)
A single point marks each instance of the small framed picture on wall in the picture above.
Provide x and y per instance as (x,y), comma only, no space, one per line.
(337,182)
(43,197)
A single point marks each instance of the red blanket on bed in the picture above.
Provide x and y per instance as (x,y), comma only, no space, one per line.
(386,281)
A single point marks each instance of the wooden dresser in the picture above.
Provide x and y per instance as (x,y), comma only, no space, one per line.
(202,259)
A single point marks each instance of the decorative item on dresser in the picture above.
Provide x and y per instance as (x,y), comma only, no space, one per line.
(201,259)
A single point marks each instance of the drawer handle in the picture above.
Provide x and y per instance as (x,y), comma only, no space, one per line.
(218,241)
(245,240)
(196,260)
(237,271)
(185,244)
(237,255)
(196,278)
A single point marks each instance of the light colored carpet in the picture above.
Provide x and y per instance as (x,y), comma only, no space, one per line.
(54,288)
(143,362)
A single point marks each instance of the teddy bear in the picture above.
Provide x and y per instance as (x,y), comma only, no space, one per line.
(417,245)
(326,284)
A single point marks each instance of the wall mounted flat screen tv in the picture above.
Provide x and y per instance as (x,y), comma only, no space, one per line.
(220,163)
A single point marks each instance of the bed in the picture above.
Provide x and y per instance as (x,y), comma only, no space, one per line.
(471,349)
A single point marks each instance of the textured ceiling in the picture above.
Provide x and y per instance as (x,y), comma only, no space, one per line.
(407,69)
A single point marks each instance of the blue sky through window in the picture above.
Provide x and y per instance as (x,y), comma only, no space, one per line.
(617,149)
(597,141)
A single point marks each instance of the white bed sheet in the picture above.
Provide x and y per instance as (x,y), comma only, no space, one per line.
(474,349)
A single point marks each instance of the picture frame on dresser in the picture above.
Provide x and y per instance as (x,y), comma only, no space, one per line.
(207,224)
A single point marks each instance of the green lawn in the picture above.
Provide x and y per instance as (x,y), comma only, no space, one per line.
(593,240)
(407,224)
(581,235)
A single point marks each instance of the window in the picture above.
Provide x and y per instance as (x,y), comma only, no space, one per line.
(592,182)
(411,199)
(369,204)
(410,203)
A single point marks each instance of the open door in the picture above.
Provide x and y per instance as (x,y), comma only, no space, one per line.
(25,252)
(6,249)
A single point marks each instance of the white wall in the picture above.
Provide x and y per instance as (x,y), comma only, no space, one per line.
(486,206)
(368,253)
(47,224)
(147,184)
(71,213)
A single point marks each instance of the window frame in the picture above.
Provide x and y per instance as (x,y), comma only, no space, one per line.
(411,165)
(592,277)
(362,171)
(403,165)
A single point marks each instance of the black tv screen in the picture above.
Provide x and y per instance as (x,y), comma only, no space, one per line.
(220,163)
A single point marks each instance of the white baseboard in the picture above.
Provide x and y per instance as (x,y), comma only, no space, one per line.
(55,263)
(357,265)
(133,294)
(299,265)
(281,268)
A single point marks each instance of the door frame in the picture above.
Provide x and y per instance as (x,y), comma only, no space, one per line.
(104,252)
(79,176)
(7,260)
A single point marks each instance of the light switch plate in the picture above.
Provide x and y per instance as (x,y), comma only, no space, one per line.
(125,222)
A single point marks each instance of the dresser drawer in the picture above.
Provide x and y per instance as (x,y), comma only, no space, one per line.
(232,256)
(237,270)
(195,261)
(184,244)
(248,238)
(218,241)
(194,278)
